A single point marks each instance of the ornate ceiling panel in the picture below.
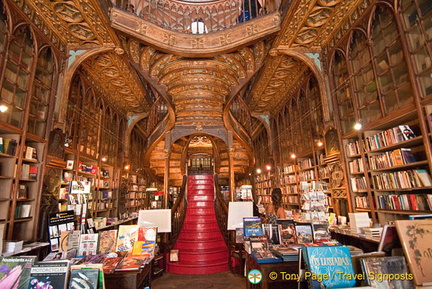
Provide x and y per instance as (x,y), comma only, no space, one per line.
(308,24)
(73,21)
(112,74)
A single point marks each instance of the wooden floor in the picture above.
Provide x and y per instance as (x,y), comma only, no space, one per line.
(223,280)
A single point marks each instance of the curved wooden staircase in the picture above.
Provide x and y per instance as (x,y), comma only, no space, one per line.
(202,249)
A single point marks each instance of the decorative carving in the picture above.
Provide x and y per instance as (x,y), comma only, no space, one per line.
(339,194)
(336,175)
(111,74)
(200,141)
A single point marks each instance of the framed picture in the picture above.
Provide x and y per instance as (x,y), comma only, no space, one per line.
(69,164)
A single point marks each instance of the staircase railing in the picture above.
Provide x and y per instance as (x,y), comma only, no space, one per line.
(181,16)
(221,210)
(240,112)
(157,113)
(178,213)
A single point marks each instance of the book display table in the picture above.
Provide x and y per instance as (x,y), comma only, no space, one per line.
(274,275)
(366,244)
(129,279)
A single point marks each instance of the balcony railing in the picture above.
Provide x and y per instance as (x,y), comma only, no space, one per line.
(189,17)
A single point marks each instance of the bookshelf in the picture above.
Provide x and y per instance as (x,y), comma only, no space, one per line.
(26,86)
(417,25)
(263,185)
(374,83)
(135,193)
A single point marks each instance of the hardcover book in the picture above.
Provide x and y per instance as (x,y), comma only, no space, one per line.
(304,233)
(333,263)
(288,234)
(321,232)
(15,271)
(407,132)
(126,237)
(97,273)
(415,237)
(88,244)
(110,264)
(252,226)
(272,232)
(145,245)
(133,262)
(49,273)
(389,239)
(376,269)
(84,278)
(107,241)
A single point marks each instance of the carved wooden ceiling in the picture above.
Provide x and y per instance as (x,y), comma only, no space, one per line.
(307,26)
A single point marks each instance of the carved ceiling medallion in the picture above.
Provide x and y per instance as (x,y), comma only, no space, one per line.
(200,141)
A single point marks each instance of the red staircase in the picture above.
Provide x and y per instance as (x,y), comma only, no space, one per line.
(202,249)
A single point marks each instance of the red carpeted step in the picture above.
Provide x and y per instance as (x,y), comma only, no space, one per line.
(202,249)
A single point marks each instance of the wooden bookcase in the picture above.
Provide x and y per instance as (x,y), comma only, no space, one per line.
(135,196)
(381,78)
(297,146)
(27,82)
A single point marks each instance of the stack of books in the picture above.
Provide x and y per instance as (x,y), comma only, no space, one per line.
(358,221)
(372,232)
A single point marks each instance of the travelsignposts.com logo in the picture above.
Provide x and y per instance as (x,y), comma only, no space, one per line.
(254,276)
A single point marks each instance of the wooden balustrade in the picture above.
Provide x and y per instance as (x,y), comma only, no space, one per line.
(182,16)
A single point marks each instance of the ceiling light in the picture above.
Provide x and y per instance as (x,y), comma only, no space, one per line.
(3,108)
(293,156)
(258,171)
(358,125)
(126,166)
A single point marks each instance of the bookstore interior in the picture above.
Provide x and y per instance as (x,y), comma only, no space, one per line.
(287,142)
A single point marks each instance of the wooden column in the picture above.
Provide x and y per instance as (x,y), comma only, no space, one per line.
(231,173)
(166,178)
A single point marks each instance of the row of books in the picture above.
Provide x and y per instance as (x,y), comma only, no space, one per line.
(362,202)
(8,145)
(358,184)
(356,166)
(285,232)
(381,139)
(389,137)
(128,238)
(289,179)
(29,171)
(410,202)
(30,153)
(307,175)
(87,272)
(305,163)
(392,158)
(402,180)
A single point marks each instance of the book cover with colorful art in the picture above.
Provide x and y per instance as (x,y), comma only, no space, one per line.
(126,237)
(15,271)
(333,263)
(145,245)
(107,241)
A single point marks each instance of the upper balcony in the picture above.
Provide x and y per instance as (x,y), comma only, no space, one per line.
(197,28)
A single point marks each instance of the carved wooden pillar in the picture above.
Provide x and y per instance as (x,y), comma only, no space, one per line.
(231,173)
(166,178)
